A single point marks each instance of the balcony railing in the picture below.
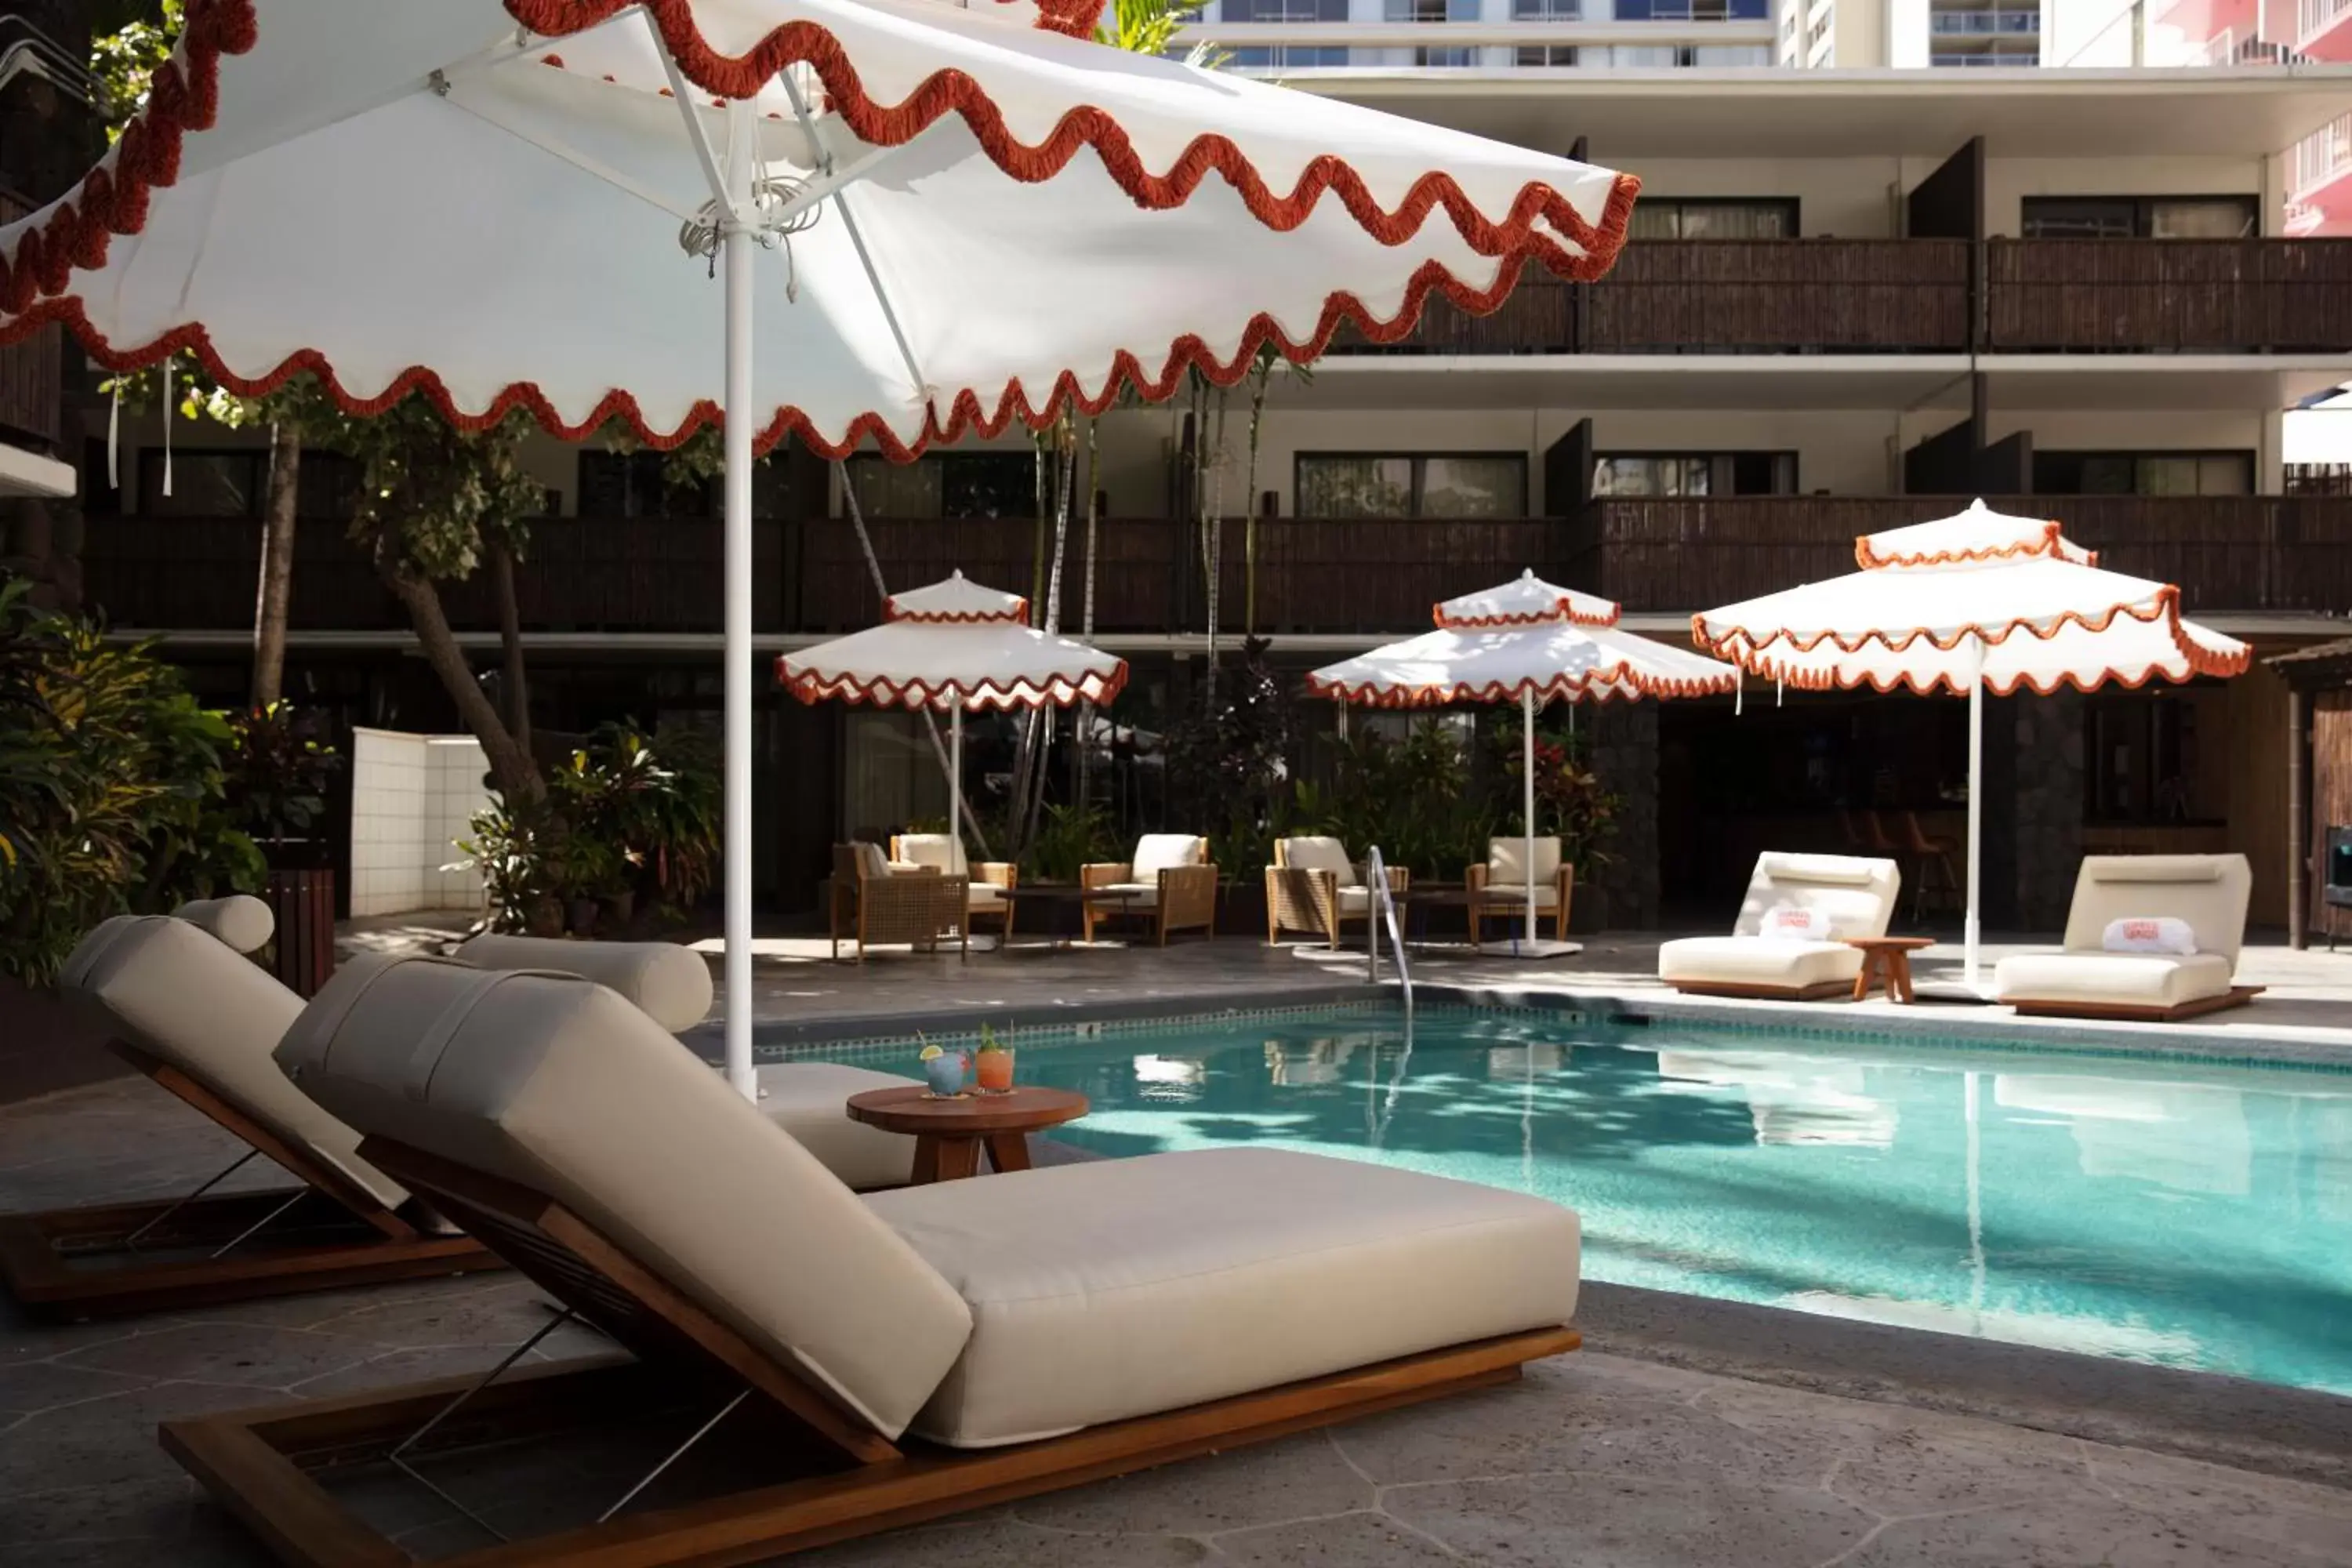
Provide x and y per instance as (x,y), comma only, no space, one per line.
(31,371)
(2317,16)
(2257,296)
(2320,158)
(1983,22)
(1725,296)
(2227,553)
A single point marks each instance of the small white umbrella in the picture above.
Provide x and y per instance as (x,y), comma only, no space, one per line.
(954,645)
(851,222)
(1980,602)
(1528,640)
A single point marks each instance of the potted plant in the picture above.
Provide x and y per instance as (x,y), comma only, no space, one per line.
(278,769)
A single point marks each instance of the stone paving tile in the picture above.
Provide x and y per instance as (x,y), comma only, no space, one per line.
(1290,1479)
(2105,1535)
(1001,1542)
(1630,1520)
(226,1353)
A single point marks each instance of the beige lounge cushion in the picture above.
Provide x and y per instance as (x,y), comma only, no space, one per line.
(1857,893)
(671,983)
(241,920)
(1756,961)
(1157,852)
(557,1083)
(1354,901)
(183,997)
(1505,857)
(810,1101)
(935,851)
(984,895)
(1509,894)
(871,861)
(1318,853)
(2130,979)
(1119,1288)
(2209,891)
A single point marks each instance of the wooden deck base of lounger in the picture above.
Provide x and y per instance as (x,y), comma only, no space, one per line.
(267,1466)
(343,1236)
(72,1263)
(2236,996)
(1819,991)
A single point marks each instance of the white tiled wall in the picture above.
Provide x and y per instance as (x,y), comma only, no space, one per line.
(413,798)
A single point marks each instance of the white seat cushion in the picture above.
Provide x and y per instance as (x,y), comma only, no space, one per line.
(1157,852)
(170,989)
(1318,853)
(559,1084)
(809,1100)
(1119,1288)
(1127,895)
(984,895)
(1756,961)
(671,983)
(935,850)
(1354,901)
(1504,855)
(1515,893)
(2132,979)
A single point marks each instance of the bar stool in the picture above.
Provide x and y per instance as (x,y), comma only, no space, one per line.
(1934,856)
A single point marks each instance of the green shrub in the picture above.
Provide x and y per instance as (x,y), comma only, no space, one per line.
(114,780)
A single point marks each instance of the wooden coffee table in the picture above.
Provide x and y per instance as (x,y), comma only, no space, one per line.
(949,1133)
(1886,956)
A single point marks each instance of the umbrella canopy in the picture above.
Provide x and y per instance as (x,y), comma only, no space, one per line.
(963,220)
(953,645)
(1528,641)
(891,222)
(1969,603)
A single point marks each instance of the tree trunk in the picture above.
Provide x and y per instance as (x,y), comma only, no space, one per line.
(512,684)
(511,768)
(280,512)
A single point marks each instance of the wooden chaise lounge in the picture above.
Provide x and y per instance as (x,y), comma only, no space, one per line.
(1856,894)
(931,1349)
(2208,893)
(189,1011)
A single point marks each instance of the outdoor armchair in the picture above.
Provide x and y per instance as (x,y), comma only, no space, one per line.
(1504,881)
(1169,884)
(991,880)
(1314,886)
(872,903)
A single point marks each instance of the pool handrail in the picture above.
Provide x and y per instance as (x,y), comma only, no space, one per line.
(1376,878)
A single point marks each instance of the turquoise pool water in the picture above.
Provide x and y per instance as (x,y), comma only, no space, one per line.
(2173,1213)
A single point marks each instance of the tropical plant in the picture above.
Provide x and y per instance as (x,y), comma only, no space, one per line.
(1068,837)
(1229,769)
(279,770)
(508,846)
(1572,802)
(1417,799)
(114,780)
(656,802)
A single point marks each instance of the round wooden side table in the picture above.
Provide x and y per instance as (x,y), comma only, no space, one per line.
(1889,956)
(949,1133)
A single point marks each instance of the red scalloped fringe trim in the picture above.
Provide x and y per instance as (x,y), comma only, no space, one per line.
(1562,616)
(1016,616)
(1739,648)
(1622,684)
(112,199)
(812,686)
(2048,544)
(951,91)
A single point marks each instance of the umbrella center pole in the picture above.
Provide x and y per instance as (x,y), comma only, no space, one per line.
(1972,933)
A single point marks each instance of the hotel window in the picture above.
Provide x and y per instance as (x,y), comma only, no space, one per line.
(2141,217)
(1547,55)
(1711,218)
(1281,57)
(204,483)
(1367,484)
(1694,10)
(1695,474)
(2144,473)
(952,484)
(1546,10)
(637,484)
(1432,10)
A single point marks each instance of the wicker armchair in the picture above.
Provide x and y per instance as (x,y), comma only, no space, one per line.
(1170,883)
(1505,885)
(871,904)
(1313,887)
(989,880)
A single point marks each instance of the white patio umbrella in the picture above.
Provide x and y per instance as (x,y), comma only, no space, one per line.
(1533,641)
(947,219)
(958,646)
(1980,602)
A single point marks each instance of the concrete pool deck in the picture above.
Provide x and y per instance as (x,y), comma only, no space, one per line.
(1687,1433)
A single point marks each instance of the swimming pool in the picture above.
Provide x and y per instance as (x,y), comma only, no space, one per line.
(2165,1212)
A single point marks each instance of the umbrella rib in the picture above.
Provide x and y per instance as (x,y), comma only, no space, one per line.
(695,136)
(856,239)
(586,165)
